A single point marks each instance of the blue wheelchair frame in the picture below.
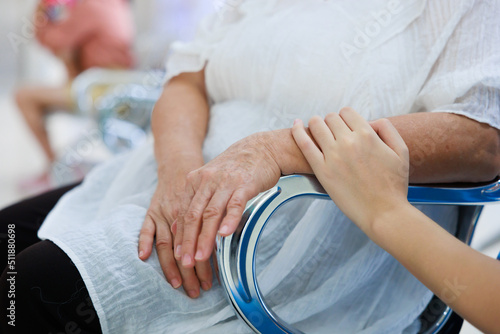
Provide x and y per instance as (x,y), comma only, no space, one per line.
(236,253)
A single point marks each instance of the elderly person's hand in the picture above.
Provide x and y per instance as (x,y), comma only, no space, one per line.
(179,122)
(217,194)
(163,211)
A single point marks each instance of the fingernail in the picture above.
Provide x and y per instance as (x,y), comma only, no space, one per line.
(176,283)
(199,255)
(224,229)
(193,293)
(186,260)
(205,286)
(141,253)
(178,251)
(296,121)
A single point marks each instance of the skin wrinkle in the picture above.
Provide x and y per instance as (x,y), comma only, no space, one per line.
(436,158)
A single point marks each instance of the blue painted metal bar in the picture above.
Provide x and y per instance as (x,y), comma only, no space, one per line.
(236,253)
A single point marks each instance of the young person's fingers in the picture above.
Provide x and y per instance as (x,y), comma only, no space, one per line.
(391,137)
(305,143)
(354,120)
(337,125)
(321,134)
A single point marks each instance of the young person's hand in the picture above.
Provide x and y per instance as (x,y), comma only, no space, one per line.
(363,167)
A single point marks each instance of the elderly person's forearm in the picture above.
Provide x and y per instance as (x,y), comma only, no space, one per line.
(179,124)
(447,147)
(443,148)
(179,121)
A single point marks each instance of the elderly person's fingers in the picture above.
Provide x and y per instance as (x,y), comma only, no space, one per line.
(190,281)
(235,208)
(321,133)
(309,149)
(192,221)
(178,228)
(391,137)
(212,217)
(204,273)
(337,125)
(146,237)
(164,248)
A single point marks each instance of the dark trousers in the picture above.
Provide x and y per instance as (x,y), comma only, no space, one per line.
(40,289)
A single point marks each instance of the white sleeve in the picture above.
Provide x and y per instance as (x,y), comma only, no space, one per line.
(466,78)
(192,56)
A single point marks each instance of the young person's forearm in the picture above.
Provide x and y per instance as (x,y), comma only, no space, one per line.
(465,279)
(179,121)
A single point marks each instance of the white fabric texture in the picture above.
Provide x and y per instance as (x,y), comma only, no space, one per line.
(267,63)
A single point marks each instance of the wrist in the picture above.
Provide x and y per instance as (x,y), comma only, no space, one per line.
(264,141)
(179,163)
(383,225)
(285,152)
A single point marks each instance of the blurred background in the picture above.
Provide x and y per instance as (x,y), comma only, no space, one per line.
(100,126)
(112,122)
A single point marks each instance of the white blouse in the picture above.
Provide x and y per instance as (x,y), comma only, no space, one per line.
(267,63)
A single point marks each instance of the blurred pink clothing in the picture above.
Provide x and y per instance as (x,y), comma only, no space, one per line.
(100,32)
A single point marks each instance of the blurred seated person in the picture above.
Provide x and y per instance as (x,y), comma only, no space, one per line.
(83,34)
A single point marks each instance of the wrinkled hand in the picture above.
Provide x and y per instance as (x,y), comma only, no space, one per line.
(164,209)
(217,194)
(362,166)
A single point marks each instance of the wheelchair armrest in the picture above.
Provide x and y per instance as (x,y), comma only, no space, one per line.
(236,253)
(455,194)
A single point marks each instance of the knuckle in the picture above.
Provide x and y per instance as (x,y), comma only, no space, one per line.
(236,203)
(163,242)
(208,174)
(364,133)
(148,229)
(205,239)
(349,142)
(191,216)
(188,242)
(172,213)
(211,213)
(304,144)
(191,176)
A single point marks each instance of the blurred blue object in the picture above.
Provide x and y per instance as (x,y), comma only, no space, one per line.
(120,102)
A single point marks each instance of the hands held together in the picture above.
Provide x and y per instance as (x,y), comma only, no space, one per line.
(360,165)
(363,166)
